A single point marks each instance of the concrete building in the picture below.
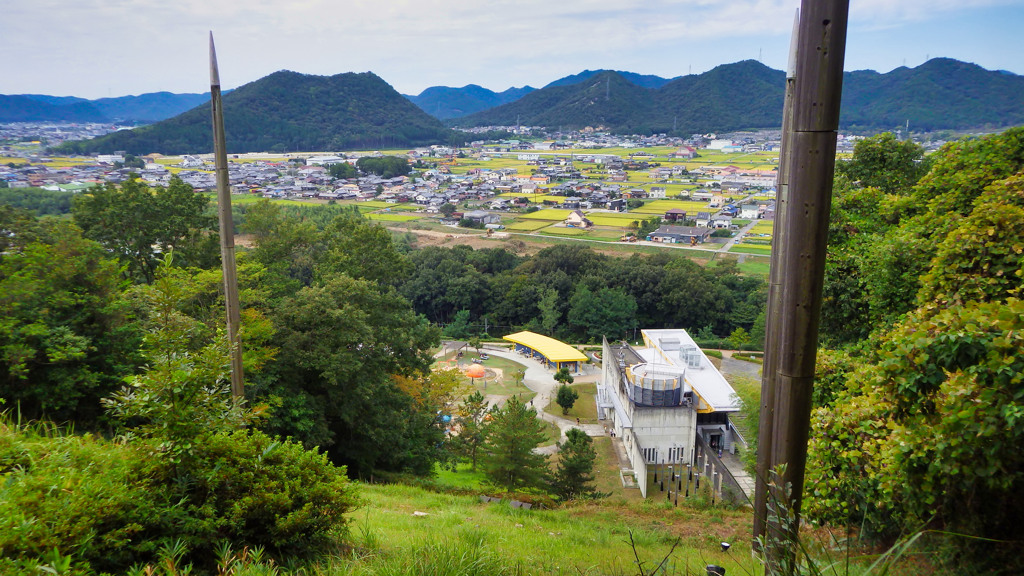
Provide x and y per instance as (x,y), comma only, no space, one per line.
(663,399)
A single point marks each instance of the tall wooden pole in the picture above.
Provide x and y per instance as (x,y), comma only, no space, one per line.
(767,413)
(821,48)
(227,227)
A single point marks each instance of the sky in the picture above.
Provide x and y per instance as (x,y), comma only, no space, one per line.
(107,48)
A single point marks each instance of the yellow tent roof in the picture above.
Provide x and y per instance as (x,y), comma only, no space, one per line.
(552,349)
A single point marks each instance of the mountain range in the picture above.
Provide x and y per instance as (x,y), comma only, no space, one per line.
(141,109)
(287,111)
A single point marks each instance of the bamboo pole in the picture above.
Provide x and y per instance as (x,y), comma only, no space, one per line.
(227,227)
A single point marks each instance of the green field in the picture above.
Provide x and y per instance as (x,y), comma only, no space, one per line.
(659,207)
(751,249)
(528,225)
(550,214)
(612,219)
(560,231)
(386,217)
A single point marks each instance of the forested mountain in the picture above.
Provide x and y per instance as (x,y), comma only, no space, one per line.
(444,102)
(26,109)
(288,111)
(143,108)
(642,80)
(940,94)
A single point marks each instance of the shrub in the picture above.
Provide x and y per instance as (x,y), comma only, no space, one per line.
(108,506)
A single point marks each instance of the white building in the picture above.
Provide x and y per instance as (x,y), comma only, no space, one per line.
(660,397)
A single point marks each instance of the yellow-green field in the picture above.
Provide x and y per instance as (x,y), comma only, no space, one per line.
(551,215)
(386,217)
(528,225)
(662,206)
(612,219)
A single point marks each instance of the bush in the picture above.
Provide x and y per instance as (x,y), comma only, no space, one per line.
(108,506)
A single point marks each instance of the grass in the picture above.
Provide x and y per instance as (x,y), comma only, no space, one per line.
(586,538)
(559,231)
(585,407)
(506,385)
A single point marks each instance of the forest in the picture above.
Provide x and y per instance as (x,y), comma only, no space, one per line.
(112,347)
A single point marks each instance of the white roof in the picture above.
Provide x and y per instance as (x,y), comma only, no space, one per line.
(663,347)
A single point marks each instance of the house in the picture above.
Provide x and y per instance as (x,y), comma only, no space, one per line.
(482,217)
(680,235)
(675,215)
(670,407)
(576,219)
(750,211)
(721,222)
(656,192)
(703,219)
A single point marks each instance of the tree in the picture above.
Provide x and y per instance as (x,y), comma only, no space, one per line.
(341,341)
(509,458)
(472,428)
(566,398)
(447,209)
(140,225)
(604,312)
(342,171)
(739,338)
(68,335)
(885,163)
(574,475)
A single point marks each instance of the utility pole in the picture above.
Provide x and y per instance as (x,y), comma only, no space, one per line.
(793,320)
(227,227)
(764,443)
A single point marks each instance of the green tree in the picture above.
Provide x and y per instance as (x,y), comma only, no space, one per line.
(67,333)
(342,171)
(140,224)
(509,458)
(340,341)
(472,428)
(885,163)
(447,209)
(566,398)
(739,338)
(606,312)
(459,326)
(574,475)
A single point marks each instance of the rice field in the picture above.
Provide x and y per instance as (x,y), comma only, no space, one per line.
(551,215)
(386,217)
(564,231)
(528,225)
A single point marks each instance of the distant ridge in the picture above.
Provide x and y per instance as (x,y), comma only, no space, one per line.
(443,102)
(285,112)
(26,109)
(641,80)
(939,94)
(142,109)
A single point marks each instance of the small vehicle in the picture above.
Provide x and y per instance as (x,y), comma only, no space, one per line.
(485,357)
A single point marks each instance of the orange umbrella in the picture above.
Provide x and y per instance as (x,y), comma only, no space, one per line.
(475,371)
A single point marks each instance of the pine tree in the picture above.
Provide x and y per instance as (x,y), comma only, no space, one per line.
(509,460)
(574,476)
(472,428)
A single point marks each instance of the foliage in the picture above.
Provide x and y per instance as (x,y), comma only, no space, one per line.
(472,428)
(37,200)
(341,340)
(67,334)
(385,166)
(117,506)
(885,163)
(566,398)
(574,475)
(605,312)
(509,460)
(140,224)
(342,171)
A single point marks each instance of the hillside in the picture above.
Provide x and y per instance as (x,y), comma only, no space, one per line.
(444,102)
(26,109)
(940,94)
(144,108)
(606,100)
(288,111)
(642,80)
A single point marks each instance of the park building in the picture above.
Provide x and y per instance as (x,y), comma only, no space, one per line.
(550,352)
(669,407)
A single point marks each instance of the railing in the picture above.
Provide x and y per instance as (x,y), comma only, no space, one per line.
(709,462)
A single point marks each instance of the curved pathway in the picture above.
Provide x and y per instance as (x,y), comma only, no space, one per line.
(541,380)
